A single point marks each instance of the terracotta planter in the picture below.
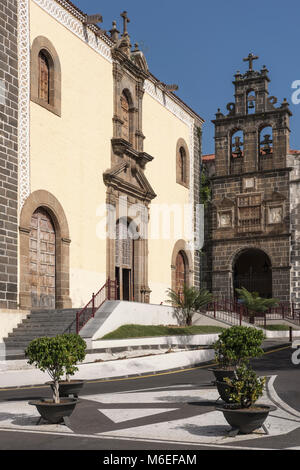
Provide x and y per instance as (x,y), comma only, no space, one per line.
(245,420)
(55,413)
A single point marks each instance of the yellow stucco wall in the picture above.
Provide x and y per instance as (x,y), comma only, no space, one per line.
(69,153)
(162,130)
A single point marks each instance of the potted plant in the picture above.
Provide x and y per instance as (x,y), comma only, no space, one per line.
(52,355)
(255,303)
(188,302)
(242,413)
(235,346)
(75,353)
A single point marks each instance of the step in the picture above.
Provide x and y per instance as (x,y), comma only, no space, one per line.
(18,334)
(47,321)
(50,316)
(62,311)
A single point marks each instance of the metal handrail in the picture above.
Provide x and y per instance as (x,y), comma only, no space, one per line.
(236,312)
(107,292)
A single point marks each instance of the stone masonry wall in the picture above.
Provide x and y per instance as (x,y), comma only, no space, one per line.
(294,161)
(8,153)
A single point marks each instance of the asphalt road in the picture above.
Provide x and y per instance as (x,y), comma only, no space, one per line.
(287,386)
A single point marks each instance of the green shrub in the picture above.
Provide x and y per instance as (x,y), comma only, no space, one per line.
(237,345)
(254,302)
(188,302)
(246,388)
(56,356)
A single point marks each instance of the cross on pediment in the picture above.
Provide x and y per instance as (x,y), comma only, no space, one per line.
(125,21)
(251,57)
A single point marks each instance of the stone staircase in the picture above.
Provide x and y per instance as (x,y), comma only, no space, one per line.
(39,323)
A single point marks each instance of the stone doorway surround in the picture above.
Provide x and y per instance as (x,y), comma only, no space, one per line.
(50,204)
(182,247)
(252,269)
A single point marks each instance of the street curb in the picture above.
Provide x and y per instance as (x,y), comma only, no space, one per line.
(144,374)
(278,401)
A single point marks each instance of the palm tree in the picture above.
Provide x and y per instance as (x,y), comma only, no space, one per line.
(187,302)
(255,303)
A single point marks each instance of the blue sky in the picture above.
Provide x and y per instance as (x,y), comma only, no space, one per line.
(200,45)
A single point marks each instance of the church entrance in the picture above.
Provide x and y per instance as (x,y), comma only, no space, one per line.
(125,259)
(252,270)
(42,260)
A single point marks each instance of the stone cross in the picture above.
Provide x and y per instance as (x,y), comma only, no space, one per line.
(250,59)
(125,20)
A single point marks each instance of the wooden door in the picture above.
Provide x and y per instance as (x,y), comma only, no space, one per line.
(180,272)
(42,260)
(124,261)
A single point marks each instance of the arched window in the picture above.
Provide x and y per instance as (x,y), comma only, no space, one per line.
(45,75)
(266,141)
(44,78)
(237,144)
(125,117)
(182,163)
(236,152)
(251,101)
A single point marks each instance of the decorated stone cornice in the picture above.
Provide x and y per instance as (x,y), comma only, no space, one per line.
(128,64)
(142,190)
(122,147)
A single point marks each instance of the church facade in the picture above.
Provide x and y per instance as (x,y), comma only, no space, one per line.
(100,166)
(252,236)
(100,148)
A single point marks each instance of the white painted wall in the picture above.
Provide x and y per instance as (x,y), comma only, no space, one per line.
(281,334)
(183,340)
(132,313)
(10,320)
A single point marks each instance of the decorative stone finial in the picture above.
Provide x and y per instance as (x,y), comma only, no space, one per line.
(114,33)
(284,104)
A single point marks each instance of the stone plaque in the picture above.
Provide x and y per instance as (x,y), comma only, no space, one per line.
(275,215)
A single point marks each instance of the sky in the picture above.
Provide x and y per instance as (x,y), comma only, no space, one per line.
(200,44)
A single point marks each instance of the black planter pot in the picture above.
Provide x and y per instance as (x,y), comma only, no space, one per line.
(246,420)
(222,387)
(55,413)
(66,389)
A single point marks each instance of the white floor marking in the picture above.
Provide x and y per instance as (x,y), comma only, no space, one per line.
(209,428)
(121,415)
(278,400)
(162,396)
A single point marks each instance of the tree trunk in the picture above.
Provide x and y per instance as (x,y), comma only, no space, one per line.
(56,392)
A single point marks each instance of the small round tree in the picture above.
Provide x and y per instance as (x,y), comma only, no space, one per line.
(76,351)
(56,356)
(238,344)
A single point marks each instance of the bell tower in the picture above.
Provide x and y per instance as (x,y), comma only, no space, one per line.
(254,135)
(250,236)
